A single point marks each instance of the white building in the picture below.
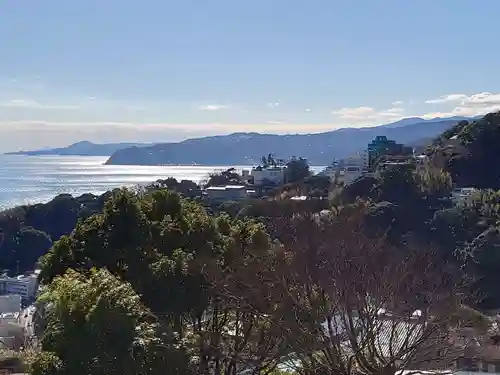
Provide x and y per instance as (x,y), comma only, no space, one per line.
(299,198)
(10,303)
(227,193)
(345,171)
(12,332)
(344,174)
(10,318)
(349,173)
(266,176)
(24,286)
(360,159)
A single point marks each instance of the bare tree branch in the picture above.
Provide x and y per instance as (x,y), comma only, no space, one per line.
(354,304)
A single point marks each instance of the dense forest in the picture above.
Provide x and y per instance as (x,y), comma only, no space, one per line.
(469,151)
(28,232)
(151,281)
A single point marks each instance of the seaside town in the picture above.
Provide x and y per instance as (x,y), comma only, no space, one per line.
(17,311)
(249,187)
(380,154)
(18,294)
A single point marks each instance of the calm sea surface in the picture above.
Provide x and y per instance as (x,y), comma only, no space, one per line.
(35,179)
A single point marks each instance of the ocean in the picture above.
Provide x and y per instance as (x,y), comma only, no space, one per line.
(37,179)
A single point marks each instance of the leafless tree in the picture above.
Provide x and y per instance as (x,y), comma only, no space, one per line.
(353,304)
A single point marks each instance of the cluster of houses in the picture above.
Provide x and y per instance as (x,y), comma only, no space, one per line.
(16,293)
(252,183)
(380,154)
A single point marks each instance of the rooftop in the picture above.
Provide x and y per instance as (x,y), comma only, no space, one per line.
(277,168)
(9,315)
(227,187)
(18,278)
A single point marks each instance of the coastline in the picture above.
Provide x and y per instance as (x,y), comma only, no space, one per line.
(38,179)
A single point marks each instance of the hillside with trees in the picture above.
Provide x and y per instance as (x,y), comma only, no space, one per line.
(28,232)
(470,152)
(182,290)
(275,288)
(412,208)
(411,205)
(150,280)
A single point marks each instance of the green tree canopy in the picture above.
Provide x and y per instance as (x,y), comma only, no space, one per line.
(96,324)
(470,152)
(183,263)
(27,232)
(227,177)
(297,169)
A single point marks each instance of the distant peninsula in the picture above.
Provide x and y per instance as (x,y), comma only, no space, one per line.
(247,148)
(83,148)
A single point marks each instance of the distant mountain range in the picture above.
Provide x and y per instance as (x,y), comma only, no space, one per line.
(248,148)
(83,148)
(416,120)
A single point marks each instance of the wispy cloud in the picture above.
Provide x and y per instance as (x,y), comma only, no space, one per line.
(450,98)
(32,104)
(307,110)
(465,105)
(275,122)
(273,105)
(369,115)
(355,113)
(212,107)
(462,111)
(396,111)
(397,102)
(20,103)
(480,99)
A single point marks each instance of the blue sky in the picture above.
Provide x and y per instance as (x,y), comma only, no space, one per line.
(160,70)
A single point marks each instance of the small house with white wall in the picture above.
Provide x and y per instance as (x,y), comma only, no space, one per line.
(344,174)
(349,173)
(268,176)
(226,193)
(359,159)
(346,171)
